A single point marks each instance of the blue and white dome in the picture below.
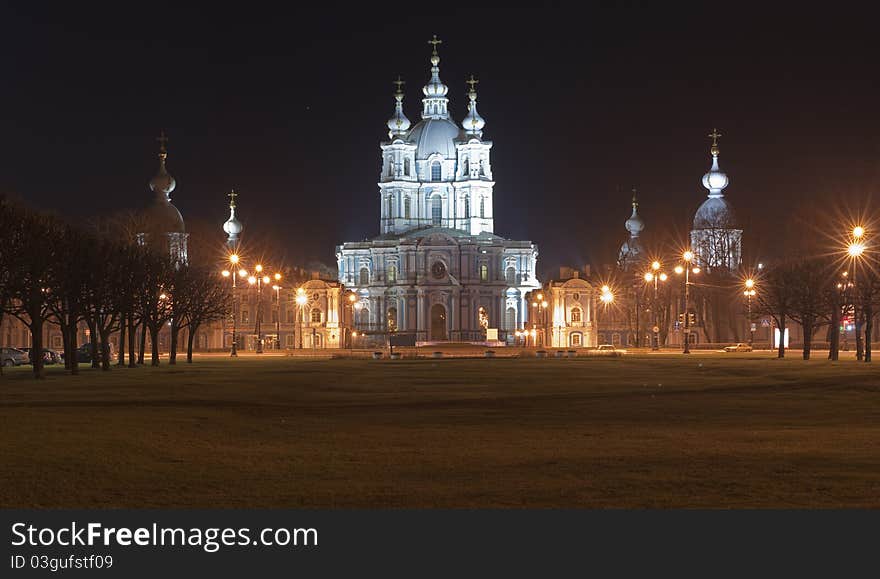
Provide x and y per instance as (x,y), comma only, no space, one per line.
(435,136)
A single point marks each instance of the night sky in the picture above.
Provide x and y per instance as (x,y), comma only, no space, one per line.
(289,108)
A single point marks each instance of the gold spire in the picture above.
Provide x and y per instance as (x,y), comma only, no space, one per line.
(471,82)
(714,135)
(232,195)
(163,142)
(434,42)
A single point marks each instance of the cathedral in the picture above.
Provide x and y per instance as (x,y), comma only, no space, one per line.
(437,271)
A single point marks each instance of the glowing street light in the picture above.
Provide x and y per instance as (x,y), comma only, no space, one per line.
(301,300)
(233,259)
(855,250)
(858,232)
(749,292)
(655,276)
(225,273)
(687,256)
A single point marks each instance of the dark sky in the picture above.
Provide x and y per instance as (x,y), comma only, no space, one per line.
(289,107)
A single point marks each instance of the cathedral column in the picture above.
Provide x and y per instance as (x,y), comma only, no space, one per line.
(420,315)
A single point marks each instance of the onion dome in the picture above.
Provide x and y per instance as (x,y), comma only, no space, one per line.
(163,183)
(473,123)
(634,224)
(398,124)
(715,180)
(715,212)
(162,215)
(435,104)
(233,226)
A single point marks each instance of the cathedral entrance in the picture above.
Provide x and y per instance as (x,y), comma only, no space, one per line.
(438,322)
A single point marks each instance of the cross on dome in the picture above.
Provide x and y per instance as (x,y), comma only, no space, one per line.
(434,42)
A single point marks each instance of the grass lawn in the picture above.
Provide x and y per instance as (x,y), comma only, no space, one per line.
(639,431)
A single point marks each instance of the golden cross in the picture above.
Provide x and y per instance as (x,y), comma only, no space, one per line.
(434,41)
(232,195)
(471,81)
(163,140)
(398,83)
(714,135)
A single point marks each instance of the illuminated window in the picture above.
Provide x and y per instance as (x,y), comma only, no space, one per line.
(245,317)
(392,319)
(435,171)
(392,274)
(575,315)
(316,315)
(364,276)
(436,210)
(484,272)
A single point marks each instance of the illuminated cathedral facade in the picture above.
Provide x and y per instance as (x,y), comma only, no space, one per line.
(437,271)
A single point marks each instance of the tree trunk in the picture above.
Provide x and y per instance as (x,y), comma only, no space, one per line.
(105,349)
(154,346)
(93,340)
(189,343)
(781,328)
(36,327)
(807,327)
(143,344)
(132,336)
(72,331)
(834,337)
(120,356)
(172,351)
(869,327)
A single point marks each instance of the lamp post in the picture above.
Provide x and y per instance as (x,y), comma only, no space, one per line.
(606,297)
(350,301)
(687,256)
(655,276)
(541,305)
(233,260)
(277,289)
(749,292)
(855,249)
(301,300)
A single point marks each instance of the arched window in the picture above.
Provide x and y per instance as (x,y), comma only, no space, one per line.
(364,277)
(392,319)
(465,167)
(389,207)
(406,207)
(467,207)
(407,168)
(392,274)
(510,319)
(575,315)
(291,316)
(510,275)
(435,171)
(484,272)
(363,318)
(482,207)
(316,315)
(482,168)
(436,210)
(576,340)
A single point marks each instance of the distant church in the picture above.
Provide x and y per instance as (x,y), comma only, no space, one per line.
(437,270)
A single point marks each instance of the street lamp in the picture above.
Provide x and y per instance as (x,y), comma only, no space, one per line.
(233,259)
(301,300)
(277,289)
(749,292)
(655,276)
(855,249)
(687,256)
(541,304)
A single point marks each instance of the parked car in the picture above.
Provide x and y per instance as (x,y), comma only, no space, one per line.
(608,350)
(84,353)
(738,348)
(49,356)
(14,357)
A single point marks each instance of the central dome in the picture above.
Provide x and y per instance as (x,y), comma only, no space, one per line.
(435,136)
(715,213)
